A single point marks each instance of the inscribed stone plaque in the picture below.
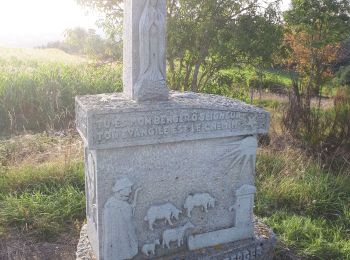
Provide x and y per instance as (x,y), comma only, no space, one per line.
(168,177)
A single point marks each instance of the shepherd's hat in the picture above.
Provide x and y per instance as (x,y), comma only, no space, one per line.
(122,183)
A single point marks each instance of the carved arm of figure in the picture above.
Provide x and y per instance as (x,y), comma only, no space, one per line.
(135,200)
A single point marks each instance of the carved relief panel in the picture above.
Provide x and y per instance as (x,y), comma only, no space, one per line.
(193,195)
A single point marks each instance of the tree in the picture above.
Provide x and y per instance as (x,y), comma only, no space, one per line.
(199,33)
(113,11)
(201,36)
(75,39)
(315,30)
(105,50)
(89,43)
(258,40)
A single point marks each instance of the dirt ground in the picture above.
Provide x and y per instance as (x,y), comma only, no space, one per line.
(16,246)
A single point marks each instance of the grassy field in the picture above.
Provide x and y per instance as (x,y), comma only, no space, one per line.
(307,206)
(20,55)
(37,89)
(42,194)
(42,199)
(270,77)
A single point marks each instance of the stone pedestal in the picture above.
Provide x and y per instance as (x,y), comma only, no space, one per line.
(171,178)
(261,246)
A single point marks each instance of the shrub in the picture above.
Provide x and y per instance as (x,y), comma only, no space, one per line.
(325,131)
(226,84)
(343,76)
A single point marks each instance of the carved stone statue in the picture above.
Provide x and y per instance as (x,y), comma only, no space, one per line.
(119,234)
(151,83)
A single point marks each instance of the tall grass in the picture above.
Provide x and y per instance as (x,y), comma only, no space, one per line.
(37,95)
(30,55)
(307,206)
(41,185)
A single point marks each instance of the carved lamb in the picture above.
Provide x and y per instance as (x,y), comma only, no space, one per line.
(203,200)
(150,249)
(176,234)
(166,211)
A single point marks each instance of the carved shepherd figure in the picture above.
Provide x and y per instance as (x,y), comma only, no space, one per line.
(119,233)
(152,33)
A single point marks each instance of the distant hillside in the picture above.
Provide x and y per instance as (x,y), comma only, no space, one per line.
(39,55)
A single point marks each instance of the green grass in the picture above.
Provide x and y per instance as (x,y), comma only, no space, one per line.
(268,103)
(41,185)
(44,215)
(306,206)
(270,77)
(42,200)
(37,90)
(34,56)
(38,86)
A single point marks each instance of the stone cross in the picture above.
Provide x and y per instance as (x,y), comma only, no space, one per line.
(144,74)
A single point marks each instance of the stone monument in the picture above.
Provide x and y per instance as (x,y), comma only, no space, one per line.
(168,175)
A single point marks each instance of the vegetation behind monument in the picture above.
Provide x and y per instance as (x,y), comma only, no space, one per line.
(315,33)
(302,198)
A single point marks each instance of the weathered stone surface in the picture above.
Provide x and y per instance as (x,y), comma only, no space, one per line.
(84,249)
(261,246)
(180,172)
(144,73)
(115,121)
(168,174)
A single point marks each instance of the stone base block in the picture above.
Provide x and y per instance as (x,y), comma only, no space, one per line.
(261,247)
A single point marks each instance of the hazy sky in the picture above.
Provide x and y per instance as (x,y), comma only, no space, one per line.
(29,23)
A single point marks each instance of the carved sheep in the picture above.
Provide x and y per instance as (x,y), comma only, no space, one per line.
(203,200)
(176,234)
(150,249)
(166,211)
